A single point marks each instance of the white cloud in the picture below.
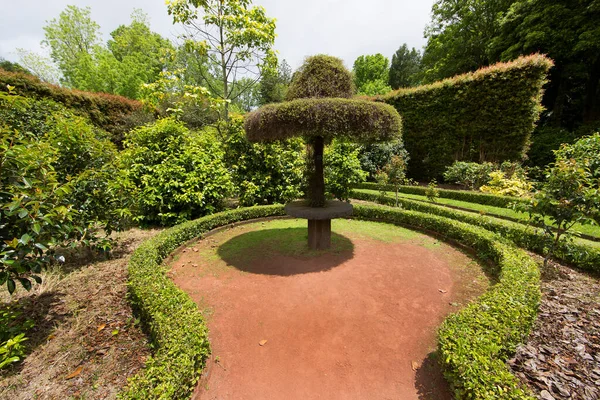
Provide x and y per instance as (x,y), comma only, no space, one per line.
(342,28)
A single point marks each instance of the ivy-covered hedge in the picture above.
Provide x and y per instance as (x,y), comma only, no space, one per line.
(328,117)
(475,343)
(461,195)
(487,115)
(172,318)
(584,257)
(115,114)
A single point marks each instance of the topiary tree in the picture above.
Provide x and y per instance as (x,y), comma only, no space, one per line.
(320,108)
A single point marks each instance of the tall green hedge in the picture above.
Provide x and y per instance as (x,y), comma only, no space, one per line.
(487,115)
(114,114)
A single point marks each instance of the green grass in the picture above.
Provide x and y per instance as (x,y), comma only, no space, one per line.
(591,230)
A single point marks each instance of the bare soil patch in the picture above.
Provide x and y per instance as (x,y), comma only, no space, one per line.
(561,359)
(85,342)
(358,321)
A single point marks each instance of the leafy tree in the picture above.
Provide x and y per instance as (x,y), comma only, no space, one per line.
(394,173)
(571,193)
(40,66)
(273,85)
(72,39)
(374,157)
(237,39)
(568,33)
(405,68)
(371,73)
(459,36)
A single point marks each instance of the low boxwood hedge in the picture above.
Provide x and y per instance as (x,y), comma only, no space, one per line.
(578,255)
(462,195)
(475,343)
(175,325)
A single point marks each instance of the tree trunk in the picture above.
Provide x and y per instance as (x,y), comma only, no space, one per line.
(316,195)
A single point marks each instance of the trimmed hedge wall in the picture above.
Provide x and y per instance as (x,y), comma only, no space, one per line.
(115,114)
(172,318)
(487,115)
(578,255)
(475,343)
(461,195)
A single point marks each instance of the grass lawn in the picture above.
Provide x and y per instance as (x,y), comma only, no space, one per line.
(591,230)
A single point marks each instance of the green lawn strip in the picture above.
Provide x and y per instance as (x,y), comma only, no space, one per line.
(475,342)
(469,196)
(591,232)
(582,254)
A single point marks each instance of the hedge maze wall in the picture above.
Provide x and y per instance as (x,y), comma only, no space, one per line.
(486,115)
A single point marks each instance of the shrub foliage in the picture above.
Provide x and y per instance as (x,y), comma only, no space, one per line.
(321,76)
(115,114)
(487,115)
(355,119)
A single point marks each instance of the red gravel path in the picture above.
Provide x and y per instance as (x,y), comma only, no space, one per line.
(363,329)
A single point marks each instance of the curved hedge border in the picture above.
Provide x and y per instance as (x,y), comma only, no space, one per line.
(462,195)
(475,343)
(578,255)
(172,318)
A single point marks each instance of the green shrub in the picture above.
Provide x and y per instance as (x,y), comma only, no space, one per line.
(432,193)
(502,184)
(12,336)
(28,115)
(475,343)
(471,175)
(571,193)
(374,157)
(342,169)
(109,112)
(179,175)
(264,173)
(487,115)
(34,208)
(173,319)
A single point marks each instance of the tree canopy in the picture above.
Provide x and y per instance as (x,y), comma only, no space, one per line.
(405,68)
(371,74)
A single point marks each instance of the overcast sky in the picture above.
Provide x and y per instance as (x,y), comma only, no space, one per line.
(342,28)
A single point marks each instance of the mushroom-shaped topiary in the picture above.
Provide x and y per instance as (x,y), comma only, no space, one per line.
(320,108)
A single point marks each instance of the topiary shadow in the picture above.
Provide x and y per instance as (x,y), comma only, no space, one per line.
(283,252)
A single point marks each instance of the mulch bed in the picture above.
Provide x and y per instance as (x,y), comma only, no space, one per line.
(561,359)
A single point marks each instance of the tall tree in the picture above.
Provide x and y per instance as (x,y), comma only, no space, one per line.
(459,36)
(405,67)
(40,66)
(371,74)
(569,33)
(237,38)
(274,84)
(71,39)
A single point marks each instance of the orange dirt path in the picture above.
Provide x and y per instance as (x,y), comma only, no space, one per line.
(363,327)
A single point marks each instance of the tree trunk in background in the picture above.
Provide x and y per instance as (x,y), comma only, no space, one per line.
(316,188)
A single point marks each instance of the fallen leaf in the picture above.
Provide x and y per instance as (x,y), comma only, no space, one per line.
(101,327)
(414,365)
(115,332)
(262,342)
(75,373)
(442,291)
